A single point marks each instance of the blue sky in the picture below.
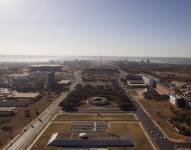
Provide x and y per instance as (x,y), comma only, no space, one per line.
(90,27)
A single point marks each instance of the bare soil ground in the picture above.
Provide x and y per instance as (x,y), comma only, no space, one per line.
(161,112)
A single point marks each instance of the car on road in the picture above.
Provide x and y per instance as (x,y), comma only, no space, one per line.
(40,120)
(25,129)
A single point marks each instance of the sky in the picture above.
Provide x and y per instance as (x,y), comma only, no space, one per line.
(155,28)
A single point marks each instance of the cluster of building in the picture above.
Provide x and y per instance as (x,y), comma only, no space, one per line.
(34,77)
(37,77)
(183,87)
(52,79)
(9,100)
(22,88)
(179,92)
(177,96)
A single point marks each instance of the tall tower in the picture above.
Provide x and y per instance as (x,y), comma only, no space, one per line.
(50,81)
(100,61)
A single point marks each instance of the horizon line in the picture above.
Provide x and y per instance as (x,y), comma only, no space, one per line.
(93,56)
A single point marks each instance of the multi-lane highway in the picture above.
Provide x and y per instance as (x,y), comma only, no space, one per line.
(160,139)
(31,131)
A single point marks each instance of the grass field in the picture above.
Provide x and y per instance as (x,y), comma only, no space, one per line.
(129,127)
(134,131)
(160,111)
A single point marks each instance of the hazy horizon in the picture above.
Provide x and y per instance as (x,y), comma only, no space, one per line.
(52,55)
(126,28)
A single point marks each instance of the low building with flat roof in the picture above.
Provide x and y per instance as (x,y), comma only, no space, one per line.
(65,141)
(7,111)
(135,80)
(64,82)
(4,92)
(30,95)
(46,67)
(15,103)
(178,101)
(136,83)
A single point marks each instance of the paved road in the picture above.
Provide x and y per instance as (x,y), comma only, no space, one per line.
(152,129)
(24,139)
(154,132)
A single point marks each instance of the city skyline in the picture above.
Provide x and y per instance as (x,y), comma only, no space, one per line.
(93,28)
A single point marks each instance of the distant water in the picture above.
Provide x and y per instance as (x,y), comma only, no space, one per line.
(20,59)
(31,59)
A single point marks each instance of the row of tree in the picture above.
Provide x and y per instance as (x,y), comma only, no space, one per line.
(81,93)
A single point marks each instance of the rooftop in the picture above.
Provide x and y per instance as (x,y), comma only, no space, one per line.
(45,65)
(60,140)
(64,82)
(4,91)
(24,95)
(7,108)
(19,75)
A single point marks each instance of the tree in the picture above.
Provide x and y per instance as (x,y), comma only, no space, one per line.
(6,128)
(181,103)
(27,113)
(127,106)
(67,106)
(37,112)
